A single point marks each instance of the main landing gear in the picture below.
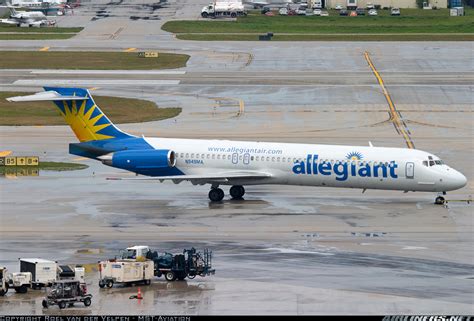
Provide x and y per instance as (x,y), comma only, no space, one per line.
(440,199)
(216,194)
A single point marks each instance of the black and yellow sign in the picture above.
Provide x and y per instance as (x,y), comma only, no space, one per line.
(32,161)
(148,54)
(10,161)
(19,166)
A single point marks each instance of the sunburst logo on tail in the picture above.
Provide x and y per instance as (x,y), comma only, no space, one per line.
(354,156)
(87,121)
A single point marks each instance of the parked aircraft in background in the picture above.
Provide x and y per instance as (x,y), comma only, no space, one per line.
(30,18)
(240,163)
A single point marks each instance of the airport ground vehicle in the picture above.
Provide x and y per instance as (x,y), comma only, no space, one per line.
(372,12)
(43,272)
(343,12)
(188,264)
(223,9)
(360,11)
(324,14)
(3,281)
(126,271)
(20,281)
(317,12)
(338,7)
(301,11)
(66,293)
(395,12)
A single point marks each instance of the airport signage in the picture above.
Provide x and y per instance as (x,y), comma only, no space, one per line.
(19,161)
(148,54)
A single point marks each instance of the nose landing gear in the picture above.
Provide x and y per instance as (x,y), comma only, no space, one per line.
(440,200)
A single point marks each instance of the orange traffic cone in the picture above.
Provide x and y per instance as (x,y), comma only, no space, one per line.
(139,294)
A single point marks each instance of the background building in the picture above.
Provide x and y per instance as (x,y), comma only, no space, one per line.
(382,3)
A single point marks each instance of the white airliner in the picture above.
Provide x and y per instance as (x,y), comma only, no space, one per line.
(30,18)
(240,163)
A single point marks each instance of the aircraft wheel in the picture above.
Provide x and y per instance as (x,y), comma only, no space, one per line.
(237,191)
(44,304)
(87,302)
(216,194)
(110,283)
(440,200)
(62,304)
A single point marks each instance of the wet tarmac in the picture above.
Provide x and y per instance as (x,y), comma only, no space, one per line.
(282,250)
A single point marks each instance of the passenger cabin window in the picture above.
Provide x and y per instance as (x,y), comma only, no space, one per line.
(425,163)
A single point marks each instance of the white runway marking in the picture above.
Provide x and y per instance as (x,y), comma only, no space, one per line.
(86,82)
(108,72)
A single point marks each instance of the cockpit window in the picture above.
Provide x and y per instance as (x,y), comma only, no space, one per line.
(430,162)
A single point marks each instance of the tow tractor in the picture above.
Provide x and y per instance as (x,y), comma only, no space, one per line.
(66,293)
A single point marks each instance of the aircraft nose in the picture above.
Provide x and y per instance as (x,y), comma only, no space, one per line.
(458,180)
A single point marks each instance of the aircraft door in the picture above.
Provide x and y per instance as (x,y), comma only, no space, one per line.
(410,170)
(246,158)
(235,158)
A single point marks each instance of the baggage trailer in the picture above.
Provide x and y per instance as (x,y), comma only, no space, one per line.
(125,272)
(67,292)
(43,272)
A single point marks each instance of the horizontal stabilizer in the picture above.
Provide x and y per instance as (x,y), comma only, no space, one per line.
(45,96)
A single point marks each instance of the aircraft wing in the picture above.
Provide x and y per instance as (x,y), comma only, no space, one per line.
(9,21)
(197,179)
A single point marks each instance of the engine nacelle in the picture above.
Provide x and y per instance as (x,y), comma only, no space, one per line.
(141,160)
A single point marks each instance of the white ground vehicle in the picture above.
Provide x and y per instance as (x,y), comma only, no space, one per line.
(317,4)
(43,272)
(324,14)
(338,7)
(369,6)
(317,12)
(372,12)
(20,281)
(395,12)
(3,281)
(301,11)
(283,12)
(126,271)
(223,9)
(134,252)
(67,272)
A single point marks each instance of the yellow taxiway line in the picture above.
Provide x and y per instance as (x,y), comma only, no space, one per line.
(44,49)
(130,49)
(394,114)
